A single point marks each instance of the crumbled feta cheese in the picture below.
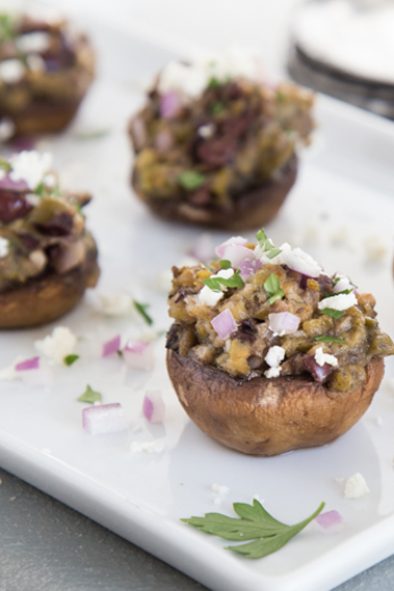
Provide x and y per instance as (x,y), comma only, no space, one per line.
(7,128)
(224,273)
(38,258)
(219,489)
(355,487)
(35,63)
(322,358)
(206,131)
(191,79)
(340,302)
(149,447)
(30,166)
(375,249)
(11,71)
(343,283)
(273,372)
(34,42)
(58,345)
(114,304)
(274,358)
(4,247)
(208,297)
(295,258)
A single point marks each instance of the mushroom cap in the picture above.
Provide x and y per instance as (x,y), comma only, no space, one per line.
(264,416)
(48,297)
(251,209)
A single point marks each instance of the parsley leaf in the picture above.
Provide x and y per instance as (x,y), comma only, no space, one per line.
(90,396)
(6,27)
(273,288)
(332,313)
(142,310)
(263,533)
(217,108)
(191,179)
(220,283)
(214,82)
(329,339)
(266,245)
(70,359)
(225,264)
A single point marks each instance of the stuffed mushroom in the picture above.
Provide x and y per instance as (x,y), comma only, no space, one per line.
(216,145)
(47,256)
(268,353)
(46,69)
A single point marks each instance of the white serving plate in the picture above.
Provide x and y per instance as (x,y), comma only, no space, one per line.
(345,185)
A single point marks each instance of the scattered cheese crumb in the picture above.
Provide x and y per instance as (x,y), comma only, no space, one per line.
(322,358)
(58,345)
(206,131)
(30,166)
(149,447)
(7,128)
(11,71)
(341,301)
(114,304)
(375,249)
(342,283)
(34,42)
(4,247)
(219,492)
(274,358)
(355,487)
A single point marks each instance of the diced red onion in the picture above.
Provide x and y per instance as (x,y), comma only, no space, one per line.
(329,519)
(170,105)
(99,419)
(139,355)
(110,347)
(249,266)
(224,324)
(164,140)
(283,323)
(202,249)
(7,184)
(234,241)
(319,373)
(153,407)
(70,256)
(28,364)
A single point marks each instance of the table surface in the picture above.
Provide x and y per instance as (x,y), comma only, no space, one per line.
(44,545)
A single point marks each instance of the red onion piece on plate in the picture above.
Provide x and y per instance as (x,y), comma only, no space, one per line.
(139,355)
(110,347)
(224,324)
(28,364)
(153,407)
(283,323)
(103,418)
(170,105)
(329,519)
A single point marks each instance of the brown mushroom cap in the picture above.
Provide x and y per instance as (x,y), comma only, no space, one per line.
(41,117)
(268,416)
(49,297)
(251,209)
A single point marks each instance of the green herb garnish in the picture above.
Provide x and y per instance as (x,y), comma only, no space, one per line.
(273,288)
(90,396)
(217,108)
(332,313)
(344,291)
(329,339)
(191,179)
(70,359)
(142,310)
(266,245)
(221,283)
(6,27)
(214,82)
(41,189)
(225,264)
(92,134)
(5,165)
(255,525)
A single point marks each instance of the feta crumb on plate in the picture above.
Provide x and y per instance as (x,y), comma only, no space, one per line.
(355,487)
(58,345)
(148,447)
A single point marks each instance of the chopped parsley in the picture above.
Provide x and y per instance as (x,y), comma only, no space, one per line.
(220,283)
(225,264)
(142,311)
(266,245)
(273,288)
(217,108)
(70,359)
(329,339)
(191,179)
(6,27)
(333,313)
(214,82)
(90,396)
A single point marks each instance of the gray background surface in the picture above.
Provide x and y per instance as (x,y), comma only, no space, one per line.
(45,546)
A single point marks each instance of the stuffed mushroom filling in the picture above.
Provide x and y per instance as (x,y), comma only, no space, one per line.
(263,311)
(41,62)
(42,228)
(211,131)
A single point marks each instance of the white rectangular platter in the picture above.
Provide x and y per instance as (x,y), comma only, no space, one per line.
(342,210)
